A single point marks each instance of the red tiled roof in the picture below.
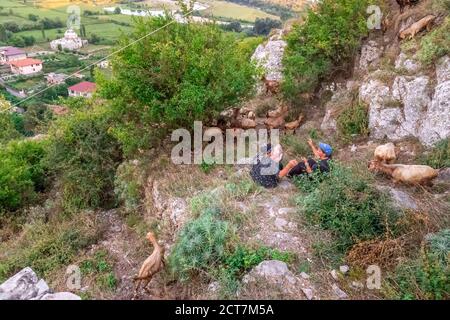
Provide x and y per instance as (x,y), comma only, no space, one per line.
(25,62)
(84,86)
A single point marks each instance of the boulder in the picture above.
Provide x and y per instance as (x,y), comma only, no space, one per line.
(401,200)
(370,55)
(436,120)
(176,211)
(272,278)
(60,296)
(411,107)
(443,70)
(341,98)
(338,292)
(413,94)
(25,285)
(408,64)
(21,286)
(269,56)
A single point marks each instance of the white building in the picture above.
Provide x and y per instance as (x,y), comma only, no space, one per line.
(26,66)
(71,41)
(9,54)
(82,89)
(55,78)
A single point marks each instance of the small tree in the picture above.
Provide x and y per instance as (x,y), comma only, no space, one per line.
(183,73)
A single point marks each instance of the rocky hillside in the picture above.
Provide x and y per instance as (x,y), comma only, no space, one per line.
(350,234)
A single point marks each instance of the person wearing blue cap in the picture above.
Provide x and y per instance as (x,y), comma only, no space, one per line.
(322,155)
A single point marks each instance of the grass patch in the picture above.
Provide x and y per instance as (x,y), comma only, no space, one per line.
(435,44)
(354,120)
(47,247)
(427,276)
(100,267)
(439,156)
(346,203)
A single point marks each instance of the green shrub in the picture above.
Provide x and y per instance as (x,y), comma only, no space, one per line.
(101,268)
(8,129)
(243,258)
(435,44)
(439,244)
(240,190)
(46,247)
(201,245)
(308,183)
(327,39)
(439,156)
(207,165)
(354,121)
(297,145)
(424,278)
(347,204)
(22,173)
(84,155)
(203,201)
(182,73)
(128,184)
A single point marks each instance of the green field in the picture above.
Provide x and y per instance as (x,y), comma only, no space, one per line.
(235,11)
(108,31)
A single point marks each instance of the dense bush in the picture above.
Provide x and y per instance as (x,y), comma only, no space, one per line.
(353,120)
(435,44)
(46,247)
(8,130)
(201,245)
(84,155)
(128,183)
(182,73)
(243,258)
(264,26)
(439,156)
(324,42)
(22,173)
(346,203)
(426,277)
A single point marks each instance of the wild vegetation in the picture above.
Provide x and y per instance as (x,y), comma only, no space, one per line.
(109,151)
(189,72)
(323,44)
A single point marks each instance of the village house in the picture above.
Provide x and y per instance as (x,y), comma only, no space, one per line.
(55,78)
(82,89)
(26,66)
(70,41)
(9,54)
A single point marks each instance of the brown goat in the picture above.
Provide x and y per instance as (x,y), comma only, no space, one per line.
(385,153)
(152,265)
(293,125)
(408,174)
(418,26)
(272,86)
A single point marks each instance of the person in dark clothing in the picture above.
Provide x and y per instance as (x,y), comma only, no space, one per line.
(322,153)
(268,169)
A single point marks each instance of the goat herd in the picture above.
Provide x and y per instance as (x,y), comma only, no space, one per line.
(385,154)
